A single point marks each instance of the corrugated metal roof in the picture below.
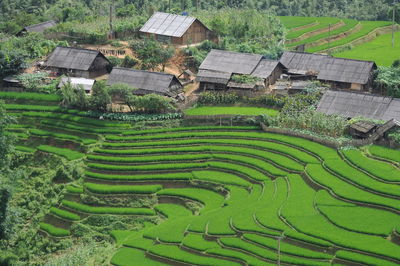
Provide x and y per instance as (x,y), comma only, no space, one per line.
(265,68)
(72,58)
(155,82)
(41,27)
(87,84)
(329,68)
(213,76)
(168,24)
(231,62)
(352,104)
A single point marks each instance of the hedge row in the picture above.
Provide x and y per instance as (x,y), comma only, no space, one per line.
(75,118)
(121,189)
(65,214)
(54,231)
(347,191)
(66,153)
(377,168)
(107,210)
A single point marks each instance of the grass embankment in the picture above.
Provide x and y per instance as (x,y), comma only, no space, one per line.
(230,110)
(379,50)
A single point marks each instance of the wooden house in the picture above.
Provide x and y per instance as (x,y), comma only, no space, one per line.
(355,104)
(41,27)
(77,62)
(218,68)
(176,29)
(146,82)
(340,73)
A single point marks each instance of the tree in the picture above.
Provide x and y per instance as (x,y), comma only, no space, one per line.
(152,53)
(123,92)
(6,140)
(11,62)
(150,103)
(74,97)
(100,98)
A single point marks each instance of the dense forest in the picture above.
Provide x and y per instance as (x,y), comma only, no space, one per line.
(24,12)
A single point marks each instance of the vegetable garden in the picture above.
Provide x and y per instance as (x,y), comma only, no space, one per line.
(221,195)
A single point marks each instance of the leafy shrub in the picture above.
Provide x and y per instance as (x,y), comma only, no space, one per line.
(244,79)
(218,98)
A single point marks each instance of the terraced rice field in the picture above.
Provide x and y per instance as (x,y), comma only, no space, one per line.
(364,36)
(231,195)
(380,50)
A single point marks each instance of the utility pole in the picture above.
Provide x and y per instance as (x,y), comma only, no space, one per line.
(393,21)
(111,34)
(329,39)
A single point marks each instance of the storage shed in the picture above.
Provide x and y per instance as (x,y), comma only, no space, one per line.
(146,82)
(354,104)
(176,29)
(341,73)
(218,67)
(41,27)
(77,62)
(86,84)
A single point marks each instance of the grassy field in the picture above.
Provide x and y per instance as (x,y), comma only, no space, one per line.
(203,191)
(379,50)
(230,110)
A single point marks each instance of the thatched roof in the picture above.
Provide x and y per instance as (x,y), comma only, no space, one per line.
(328,68)
(153,82)
(41,27)
(72,58)
(231,62)
(168,24)
(352,104)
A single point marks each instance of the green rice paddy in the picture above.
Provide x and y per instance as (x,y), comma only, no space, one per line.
(226,195)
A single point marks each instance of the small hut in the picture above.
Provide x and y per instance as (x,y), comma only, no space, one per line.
(176,29)
(146,82)
(77,62)
(41,27)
